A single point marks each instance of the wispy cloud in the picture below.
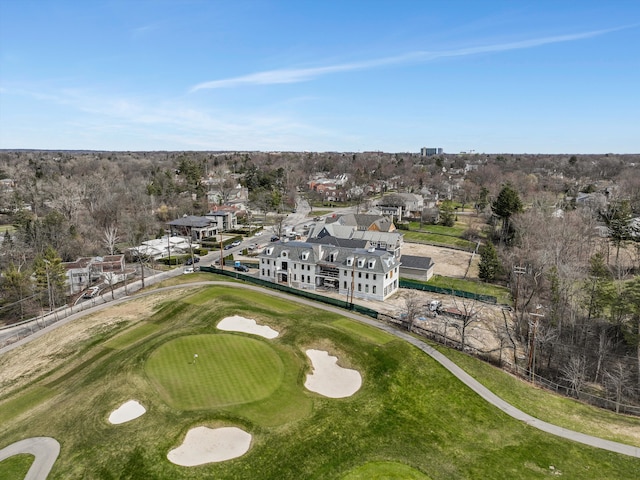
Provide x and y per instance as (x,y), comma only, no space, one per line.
(295,75)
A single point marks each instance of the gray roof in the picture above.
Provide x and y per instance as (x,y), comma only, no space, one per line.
(361,221)
(390,238)
(339,242)
(329,254)
(191,221)
(413,261)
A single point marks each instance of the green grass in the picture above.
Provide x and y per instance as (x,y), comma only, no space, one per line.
(542,404)
(501,293)
(22,402)
(318,213)
(7,228)
(229,369)
(438,239)
(410,418)
(16,466)
(456,231)
(371,334)
(131,336)
(385,471)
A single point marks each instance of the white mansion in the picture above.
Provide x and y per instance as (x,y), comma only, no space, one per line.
(355,272)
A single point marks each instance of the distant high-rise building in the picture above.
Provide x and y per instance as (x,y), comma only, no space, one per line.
(427,152)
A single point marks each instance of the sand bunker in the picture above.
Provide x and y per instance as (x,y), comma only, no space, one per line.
(127,411)
(237,323)
(329,379)
(206,445)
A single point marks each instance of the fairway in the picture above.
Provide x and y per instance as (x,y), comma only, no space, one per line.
(228,370)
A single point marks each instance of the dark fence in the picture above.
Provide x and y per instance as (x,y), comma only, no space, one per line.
(404,283)
(293,291)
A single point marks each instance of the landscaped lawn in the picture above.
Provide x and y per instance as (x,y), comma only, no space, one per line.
(456,231)
(438,239)
(501,293)
(410,418)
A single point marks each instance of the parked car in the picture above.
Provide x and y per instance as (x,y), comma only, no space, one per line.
(236,243)
(191,261)
(188,270)
(228,247)
(241,268)
(275,238)
(91,292)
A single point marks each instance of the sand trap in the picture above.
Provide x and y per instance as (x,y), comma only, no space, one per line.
(246,325)
(206,445)
(329,379)
(127,411)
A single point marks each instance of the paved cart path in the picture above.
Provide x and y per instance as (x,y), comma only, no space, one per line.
(44,449)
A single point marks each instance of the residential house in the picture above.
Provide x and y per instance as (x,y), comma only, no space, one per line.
(86,271)
(354,272)
(398,205)
(371,230)
(195,227)
(364,222)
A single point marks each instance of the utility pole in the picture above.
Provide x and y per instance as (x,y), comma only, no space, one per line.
(533,328)
(518,270)
(353,278)
(50,295)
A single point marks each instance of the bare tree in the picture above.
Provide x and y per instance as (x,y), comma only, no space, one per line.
(574,372)
(110,238)
(618,381)
(278,226)
(469,310)
(412,308)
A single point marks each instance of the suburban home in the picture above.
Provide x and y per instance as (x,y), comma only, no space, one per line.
(416,268)
(400,205)
(87,271)
(194,226)
(390,241)
(363,222)
(225,217)
(354,272)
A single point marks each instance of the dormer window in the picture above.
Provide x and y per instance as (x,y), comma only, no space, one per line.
(350,262)
(371,264)
(360,262)
(305,255)
(284,253)
(269,251)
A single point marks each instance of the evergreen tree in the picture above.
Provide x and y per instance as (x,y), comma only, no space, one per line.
(489,263)
(447,214)
(617,217)
(504,207)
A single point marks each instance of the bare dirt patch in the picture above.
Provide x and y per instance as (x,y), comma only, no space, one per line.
(448,262)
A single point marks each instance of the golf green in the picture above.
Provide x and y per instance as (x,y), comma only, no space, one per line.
(205,371)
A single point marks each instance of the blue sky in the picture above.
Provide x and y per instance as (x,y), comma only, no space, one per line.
(488,76)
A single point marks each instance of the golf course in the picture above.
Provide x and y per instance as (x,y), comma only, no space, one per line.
(409,418)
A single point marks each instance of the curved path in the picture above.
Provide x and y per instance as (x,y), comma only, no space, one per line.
(464,377)
(44,449)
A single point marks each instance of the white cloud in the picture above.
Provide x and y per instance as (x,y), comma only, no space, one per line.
(295,75)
